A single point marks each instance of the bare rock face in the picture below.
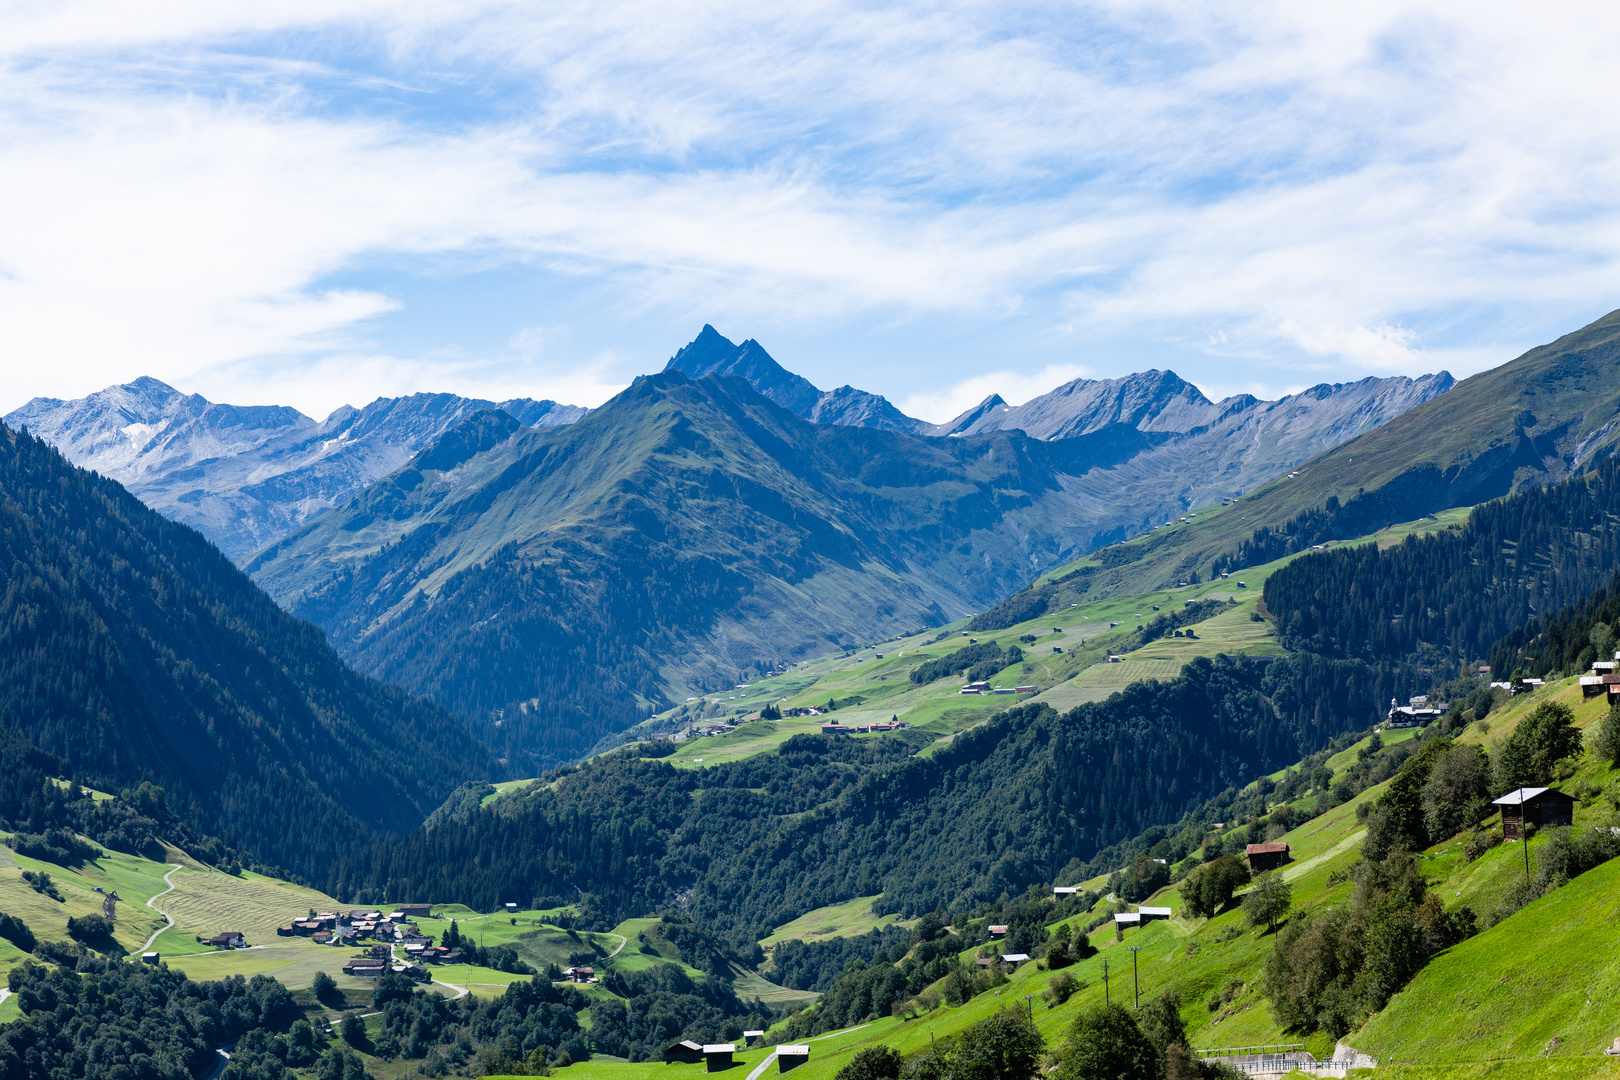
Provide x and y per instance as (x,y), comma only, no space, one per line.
(712,354)
(245,476)
(1207,450)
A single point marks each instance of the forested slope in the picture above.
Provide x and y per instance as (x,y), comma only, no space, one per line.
(1447,598)
(750,845)
(132,648)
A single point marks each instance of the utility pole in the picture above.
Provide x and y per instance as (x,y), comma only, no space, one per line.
(1105,983)
(1136,981)
(1524,838)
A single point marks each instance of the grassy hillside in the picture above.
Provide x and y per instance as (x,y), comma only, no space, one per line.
(873,684)
(1535,995)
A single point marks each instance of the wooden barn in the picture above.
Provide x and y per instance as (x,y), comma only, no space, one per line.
(1263,857)
(791,1057)
(717,1056)
(686,1050)
(1539,806)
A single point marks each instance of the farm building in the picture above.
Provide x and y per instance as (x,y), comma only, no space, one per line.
(1014,958)
(415,910)
(580,974)
(230,939)
(366,968)
(997,931)
(150,958)
(1264,857)
(753,1036)
(1065,890)
(686,1050)
(717,1056)
(1538,806)
(1148,914)
(792,1056)
(1128,918)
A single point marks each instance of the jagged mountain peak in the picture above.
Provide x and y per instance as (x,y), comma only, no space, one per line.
(711,353)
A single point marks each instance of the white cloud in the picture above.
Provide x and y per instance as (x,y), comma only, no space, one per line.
(1282,186)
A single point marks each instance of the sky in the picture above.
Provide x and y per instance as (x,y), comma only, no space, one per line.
(319,203)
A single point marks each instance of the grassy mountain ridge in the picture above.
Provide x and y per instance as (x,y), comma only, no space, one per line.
(1538,419)
(134,649)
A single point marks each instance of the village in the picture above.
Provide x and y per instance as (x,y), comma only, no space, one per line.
(392,941)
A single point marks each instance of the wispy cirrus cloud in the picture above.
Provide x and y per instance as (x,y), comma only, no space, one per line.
(1254,193)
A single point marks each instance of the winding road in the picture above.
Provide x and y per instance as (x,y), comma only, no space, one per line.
(152,903)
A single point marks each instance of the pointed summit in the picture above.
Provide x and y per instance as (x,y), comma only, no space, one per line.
(707,351)
(710,353)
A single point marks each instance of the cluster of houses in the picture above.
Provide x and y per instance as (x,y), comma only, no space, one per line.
(1417,712)
(717,1057)
(1602,679)
(983,687)
(835,728)
(396,928)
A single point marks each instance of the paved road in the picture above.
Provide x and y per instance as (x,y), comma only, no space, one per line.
(219,1066)
(759,1070)
(152,903)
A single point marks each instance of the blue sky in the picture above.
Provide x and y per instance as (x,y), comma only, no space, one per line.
(318,203)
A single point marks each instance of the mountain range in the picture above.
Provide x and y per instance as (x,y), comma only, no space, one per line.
(245,476)
(685,536)
(566,573)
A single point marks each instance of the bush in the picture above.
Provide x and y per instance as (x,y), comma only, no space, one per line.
(1457,794)
(41,882)
(1542,739)
(93,930)
(1606,741)
(1208,890)
(1061,988)
(353,1030)
(16,931)
(58,846)
(1005,1047)
(1160,1021)
(873,1063)
(1268,901)
(1106,1044)
(326,991)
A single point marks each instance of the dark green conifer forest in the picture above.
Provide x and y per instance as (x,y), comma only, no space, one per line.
(133,650)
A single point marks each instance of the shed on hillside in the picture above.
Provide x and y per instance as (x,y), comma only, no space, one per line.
(1538,806)
(997,931)
(1150,913)
(415,910)
(717,1056)
(1263,857)
(791,1057)
(686,1050)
